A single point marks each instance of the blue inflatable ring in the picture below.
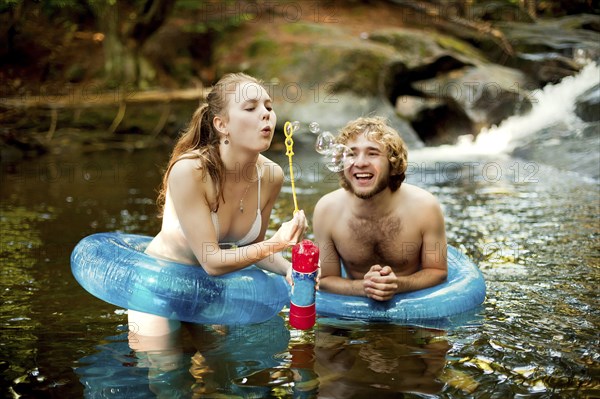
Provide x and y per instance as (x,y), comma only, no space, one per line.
(114,268)
(463,290)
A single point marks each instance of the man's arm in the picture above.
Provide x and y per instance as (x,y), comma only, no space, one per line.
(434,253)
(324,217)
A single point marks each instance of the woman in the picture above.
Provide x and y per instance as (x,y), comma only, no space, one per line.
(218,192)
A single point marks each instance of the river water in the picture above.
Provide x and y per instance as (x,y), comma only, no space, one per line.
(526,212)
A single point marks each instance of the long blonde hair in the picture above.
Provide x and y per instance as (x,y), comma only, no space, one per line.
(200,134)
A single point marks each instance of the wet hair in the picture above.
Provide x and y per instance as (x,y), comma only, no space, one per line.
(376,129)
(201,134)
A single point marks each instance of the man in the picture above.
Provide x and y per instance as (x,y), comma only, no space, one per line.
(389,236)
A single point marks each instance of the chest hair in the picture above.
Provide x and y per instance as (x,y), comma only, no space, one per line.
(376,235)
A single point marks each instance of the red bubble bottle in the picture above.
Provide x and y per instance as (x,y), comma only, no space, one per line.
(305,265)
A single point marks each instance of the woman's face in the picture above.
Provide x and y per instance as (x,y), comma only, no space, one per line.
(250,120)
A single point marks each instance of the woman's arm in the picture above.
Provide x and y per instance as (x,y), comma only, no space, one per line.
(189,192)
(273,178)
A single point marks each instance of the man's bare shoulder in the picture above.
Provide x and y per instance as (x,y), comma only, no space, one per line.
(418,195)
(331,201)
(328,209)
(421,205)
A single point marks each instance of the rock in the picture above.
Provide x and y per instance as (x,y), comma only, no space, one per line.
(417,47)
(436,121)
(499,11)
(488,93)
(442,123)
(461,101)
(460,90)
(587,105)
(322,74)
(329,74)
(316,57)
(551,49)
(342,108)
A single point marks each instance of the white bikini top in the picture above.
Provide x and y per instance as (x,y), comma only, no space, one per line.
(254,231)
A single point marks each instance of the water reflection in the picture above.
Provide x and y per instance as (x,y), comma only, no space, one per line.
(379,360)
(336,359)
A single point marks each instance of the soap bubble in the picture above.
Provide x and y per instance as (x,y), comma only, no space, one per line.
(288,129)
(338,157)
(295,126)
(324,142)
(314,128)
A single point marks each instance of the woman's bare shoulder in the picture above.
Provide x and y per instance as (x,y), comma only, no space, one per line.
(186,167)
(271,171)
(190,172)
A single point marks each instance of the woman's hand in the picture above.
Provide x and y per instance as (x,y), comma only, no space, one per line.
(290,280)
(318,279)
(291,232)
(288,276)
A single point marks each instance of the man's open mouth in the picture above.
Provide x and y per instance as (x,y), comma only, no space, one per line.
(363,176)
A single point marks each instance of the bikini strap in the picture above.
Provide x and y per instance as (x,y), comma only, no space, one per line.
(259,175)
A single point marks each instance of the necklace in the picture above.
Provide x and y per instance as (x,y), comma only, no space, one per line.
(242,199)
(258,176)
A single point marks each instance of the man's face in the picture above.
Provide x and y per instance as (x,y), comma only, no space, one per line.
(369,170)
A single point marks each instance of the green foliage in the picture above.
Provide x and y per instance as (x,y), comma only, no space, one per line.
(6,5)
(50,8)
(212,16)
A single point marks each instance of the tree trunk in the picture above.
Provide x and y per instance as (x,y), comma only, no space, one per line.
(124,62)
(530,7)
(119,63)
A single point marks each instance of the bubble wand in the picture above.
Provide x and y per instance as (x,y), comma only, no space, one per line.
(288,130)
(305,258)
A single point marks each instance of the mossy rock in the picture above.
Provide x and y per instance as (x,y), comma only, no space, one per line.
(310,55)
(414,47)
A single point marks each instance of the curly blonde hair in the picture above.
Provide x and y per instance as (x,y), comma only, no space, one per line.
(376,129)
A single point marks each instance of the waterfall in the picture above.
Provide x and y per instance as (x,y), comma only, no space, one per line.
(552,104)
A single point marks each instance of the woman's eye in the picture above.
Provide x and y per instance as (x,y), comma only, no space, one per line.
(250,109)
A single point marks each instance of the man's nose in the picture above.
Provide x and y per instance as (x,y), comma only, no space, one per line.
(360,160)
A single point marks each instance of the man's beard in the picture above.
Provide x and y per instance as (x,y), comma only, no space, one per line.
(379,187)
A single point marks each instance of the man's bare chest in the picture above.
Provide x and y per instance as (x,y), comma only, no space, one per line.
(387,241)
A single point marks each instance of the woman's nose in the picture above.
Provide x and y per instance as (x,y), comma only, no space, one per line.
(266,114)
